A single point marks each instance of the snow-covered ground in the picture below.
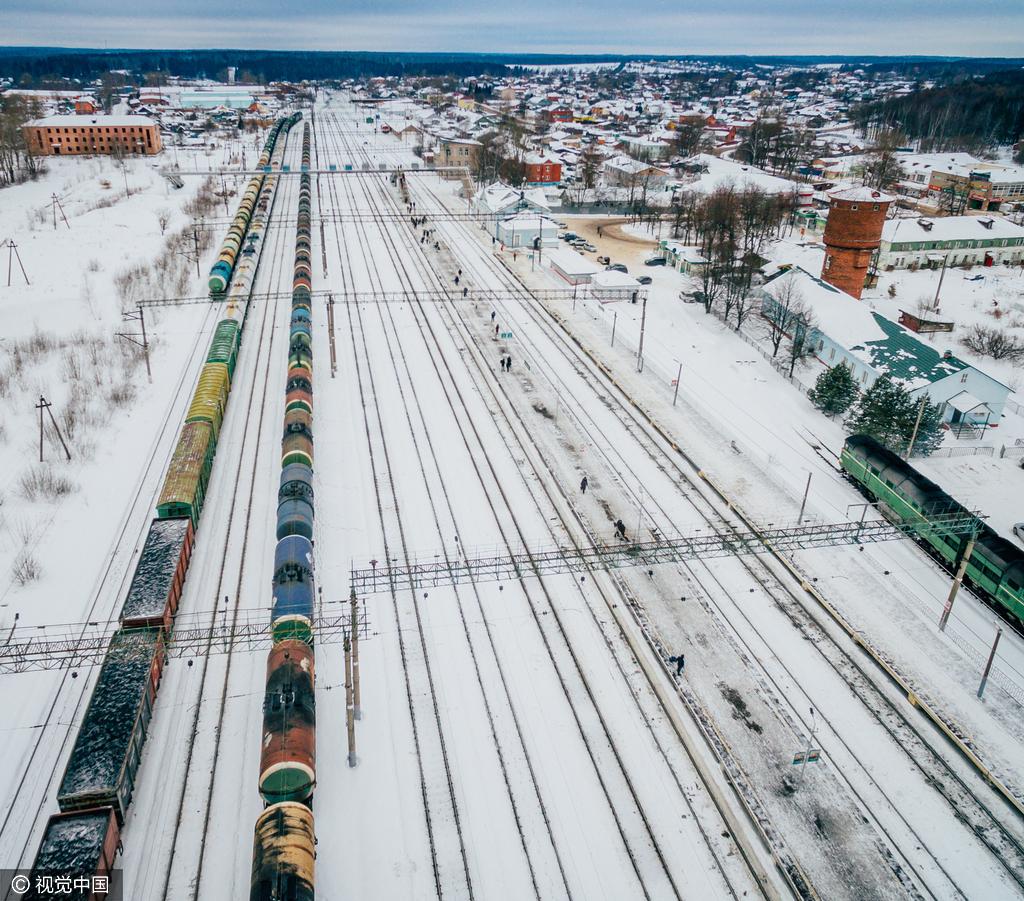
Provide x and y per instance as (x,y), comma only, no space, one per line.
(524,738)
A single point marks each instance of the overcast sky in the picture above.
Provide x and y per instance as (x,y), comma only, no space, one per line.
(911,27)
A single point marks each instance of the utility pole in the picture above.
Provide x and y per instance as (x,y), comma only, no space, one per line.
(615,322)
(44,404)
(679,377)
(942,274)
(917,425)
(55,205)
(803,503)
(12,251)
(988,665)
(195,244)
(356,711)
(140,317)
(349,709)
(330,329)
(640,349)
(957,579)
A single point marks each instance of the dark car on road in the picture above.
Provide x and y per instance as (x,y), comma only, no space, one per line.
(618,267)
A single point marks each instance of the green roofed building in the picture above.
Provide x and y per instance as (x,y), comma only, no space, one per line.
(847,331)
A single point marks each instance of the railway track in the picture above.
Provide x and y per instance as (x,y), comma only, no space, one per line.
(229,562)
(539,609)
(1003,844)
(386,496)
(71,692)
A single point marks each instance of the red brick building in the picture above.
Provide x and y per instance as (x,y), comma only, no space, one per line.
(75,135)
(852,236)
(542,170)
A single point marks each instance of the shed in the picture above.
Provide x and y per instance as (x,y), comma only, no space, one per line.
(575,268)
(610,285)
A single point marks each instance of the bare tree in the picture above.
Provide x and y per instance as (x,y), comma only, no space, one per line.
(800,344)
(781,310)
(996,343)
(163,218)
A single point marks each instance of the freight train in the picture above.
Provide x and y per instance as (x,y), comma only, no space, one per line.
(99,779)
(284,840)
(995,567)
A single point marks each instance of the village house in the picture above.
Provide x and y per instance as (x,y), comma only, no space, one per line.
(844,330)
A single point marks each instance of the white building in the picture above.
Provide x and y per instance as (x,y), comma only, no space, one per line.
(959,240)
(523,230)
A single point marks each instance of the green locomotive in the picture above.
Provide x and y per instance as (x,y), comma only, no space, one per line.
(996,566)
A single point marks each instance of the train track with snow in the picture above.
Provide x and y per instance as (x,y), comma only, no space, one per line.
(237,503)
(935,769)
(483,373)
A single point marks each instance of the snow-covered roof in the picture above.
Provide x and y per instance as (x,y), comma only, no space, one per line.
(528,222)
(843,318)
(717,172)
(572,263)
(949,228)
(612,278)
(861,194)
(112,121)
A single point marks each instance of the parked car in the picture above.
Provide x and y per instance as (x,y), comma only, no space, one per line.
(604,261)
(589,247)
(655,261)
(618,267)
(644,279)
(569,236)
(691,296)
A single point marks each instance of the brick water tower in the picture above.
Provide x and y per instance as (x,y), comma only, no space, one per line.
(852,235)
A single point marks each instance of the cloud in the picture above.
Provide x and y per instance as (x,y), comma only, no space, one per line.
(943,27)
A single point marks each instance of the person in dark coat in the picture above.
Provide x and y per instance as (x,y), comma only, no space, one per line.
(620,529)
(680,662)
(583,485)
(465,292)
(508,364)
(456,279)
(493,314)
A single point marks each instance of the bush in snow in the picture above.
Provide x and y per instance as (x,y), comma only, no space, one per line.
(42,483)
(25,568)
(997,343)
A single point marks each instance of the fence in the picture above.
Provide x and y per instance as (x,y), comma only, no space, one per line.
(959,452)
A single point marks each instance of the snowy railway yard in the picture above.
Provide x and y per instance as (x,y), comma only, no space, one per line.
(518,738)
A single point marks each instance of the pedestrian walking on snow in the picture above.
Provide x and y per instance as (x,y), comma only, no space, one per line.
(465,292)
(620,529)
(456,279)
(508,364)
(496,330)
(583,485)
(680,662)
(493,314)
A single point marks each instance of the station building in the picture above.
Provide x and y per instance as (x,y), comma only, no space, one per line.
(77,135)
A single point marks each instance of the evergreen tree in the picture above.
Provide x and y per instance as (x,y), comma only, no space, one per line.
(929,431)
(888,413)
(835,391)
